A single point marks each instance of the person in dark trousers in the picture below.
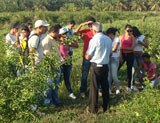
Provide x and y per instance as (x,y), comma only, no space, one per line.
(126,55)
(99,52)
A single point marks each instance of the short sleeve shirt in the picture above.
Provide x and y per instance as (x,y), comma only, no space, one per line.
(10,38)
(149,69)
(48,43)
(87,36)
(100,49)
(139,47)
(35,42)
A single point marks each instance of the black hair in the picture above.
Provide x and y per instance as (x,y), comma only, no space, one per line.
(136,31)
(72,22)
(128,26)
(25,28)
(111,30)
(90,18)
(54,28)
(58,25)
(29,23)
(14,25)
(145,55)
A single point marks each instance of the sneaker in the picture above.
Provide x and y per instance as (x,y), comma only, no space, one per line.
(83,95)
(71,95)
(117,91)
(134,88)
(129,89)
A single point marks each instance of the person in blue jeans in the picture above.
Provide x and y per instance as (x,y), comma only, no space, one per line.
(87,36)
(50,48)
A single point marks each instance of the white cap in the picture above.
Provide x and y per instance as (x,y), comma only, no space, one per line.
(39,23)
(62,30)
(46,23)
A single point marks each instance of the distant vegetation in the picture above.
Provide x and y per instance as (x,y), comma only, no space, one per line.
(76,5)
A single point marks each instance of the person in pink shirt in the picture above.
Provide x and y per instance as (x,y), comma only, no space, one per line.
(148,69)
(126,53)
(67,60)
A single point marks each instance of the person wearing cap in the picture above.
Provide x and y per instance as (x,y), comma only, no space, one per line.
(67,60)
(11,36)
(114,61)
(50,46)
(87,36)
(34,42)
(45,29)
(99,52)
(148,71)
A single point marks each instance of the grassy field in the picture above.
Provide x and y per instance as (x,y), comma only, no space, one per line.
(135,107)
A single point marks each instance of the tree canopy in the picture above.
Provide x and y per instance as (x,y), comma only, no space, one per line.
(76,5)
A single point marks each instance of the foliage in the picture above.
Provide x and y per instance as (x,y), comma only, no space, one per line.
(22,95)
(75,5)
(19,95)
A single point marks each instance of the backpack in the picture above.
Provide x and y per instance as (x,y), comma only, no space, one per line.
(38,38)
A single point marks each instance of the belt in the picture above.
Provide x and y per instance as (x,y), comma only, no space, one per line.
(99,65)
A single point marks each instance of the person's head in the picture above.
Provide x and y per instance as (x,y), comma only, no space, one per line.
(40,26)
(14,27)
(63,32)
(71,24)
(58,25)
(54,31)
(25,32)
(45,27)
(92,19)
(96,27)
(146,57)
(30,26)
(136,31)
(111,32)
(128,29)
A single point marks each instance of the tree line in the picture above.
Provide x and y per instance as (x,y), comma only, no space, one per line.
(76,5)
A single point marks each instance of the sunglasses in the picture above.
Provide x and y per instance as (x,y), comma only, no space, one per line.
(129,30)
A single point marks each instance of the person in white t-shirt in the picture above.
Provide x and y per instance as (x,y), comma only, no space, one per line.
(34,42)
(114,61)
(140,42)
(11,36)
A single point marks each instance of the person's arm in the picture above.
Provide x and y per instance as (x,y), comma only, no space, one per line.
(153,76)
(79,27)
(46,46)
(32,51)
(17,41)
(91,49)
(74,44)
(33,47)
(120,54)
(114,49)
(144,43)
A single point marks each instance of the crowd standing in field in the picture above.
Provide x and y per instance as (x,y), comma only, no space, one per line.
(103,51)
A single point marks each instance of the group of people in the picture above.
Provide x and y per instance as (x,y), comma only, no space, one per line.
(104,52)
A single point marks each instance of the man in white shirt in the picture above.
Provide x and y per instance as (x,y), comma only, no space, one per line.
(99,51)
(34,42)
